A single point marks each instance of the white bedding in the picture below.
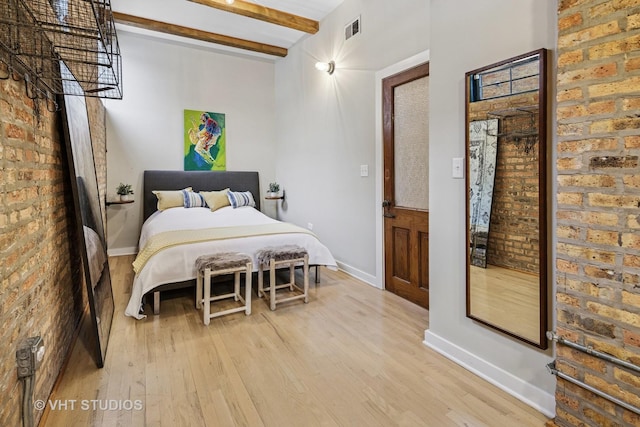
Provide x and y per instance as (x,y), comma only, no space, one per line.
(177,263)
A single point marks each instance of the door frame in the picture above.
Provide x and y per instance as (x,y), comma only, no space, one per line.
(396,68)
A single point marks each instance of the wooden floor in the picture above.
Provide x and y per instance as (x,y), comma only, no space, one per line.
(353,356)
(508,299)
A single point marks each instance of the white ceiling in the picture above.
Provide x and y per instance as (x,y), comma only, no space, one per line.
(193,15)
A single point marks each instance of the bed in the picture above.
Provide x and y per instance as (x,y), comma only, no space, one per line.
(242,229)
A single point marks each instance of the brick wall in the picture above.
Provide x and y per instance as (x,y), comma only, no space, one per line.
(40,292)
(514,228)
(598,220)
(98,130)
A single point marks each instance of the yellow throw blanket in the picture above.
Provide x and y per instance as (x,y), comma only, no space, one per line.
(182,237)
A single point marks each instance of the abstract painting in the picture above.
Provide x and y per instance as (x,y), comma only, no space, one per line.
(204,141)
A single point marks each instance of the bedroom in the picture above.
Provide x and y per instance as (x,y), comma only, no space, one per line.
(293,124)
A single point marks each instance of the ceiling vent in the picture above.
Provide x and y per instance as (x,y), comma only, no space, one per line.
(352,28)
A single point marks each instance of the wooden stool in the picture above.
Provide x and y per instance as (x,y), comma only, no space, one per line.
(277,256)
(209,266)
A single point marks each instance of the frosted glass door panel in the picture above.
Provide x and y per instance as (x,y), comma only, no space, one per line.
(411,144)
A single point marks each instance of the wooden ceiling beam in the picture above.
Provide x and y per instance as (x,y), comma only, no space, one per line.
(266,14)
(177,30)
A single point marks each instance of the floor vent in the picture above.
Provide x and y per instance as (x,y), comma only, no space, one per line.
(352,28)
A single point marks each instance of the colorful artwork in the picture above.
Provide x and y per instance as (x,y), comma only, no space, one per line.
(204,141)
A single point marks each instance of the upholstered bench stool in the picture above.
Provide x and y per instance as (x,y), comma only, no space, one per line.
(208,266)
(274,257)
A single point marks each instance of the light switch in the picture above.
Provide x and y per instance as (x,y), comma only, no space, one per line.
(364,170)
(457,167)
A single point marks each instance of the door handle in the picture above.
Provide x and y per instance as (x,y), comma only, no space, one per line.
(386,204)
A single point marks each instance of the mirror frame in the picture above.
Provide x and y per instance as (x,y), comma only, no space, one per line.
(87,209)
(542,182)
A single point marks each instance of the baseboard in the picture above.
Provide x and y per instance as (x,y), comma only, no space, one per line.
(516,387)
(358,274)
(122,251)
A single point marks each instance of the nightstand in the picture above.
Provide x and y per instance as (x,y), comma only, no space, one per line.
(276,198)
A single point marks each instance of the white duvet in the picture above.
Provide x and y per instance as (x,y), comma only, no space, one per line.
(177,263)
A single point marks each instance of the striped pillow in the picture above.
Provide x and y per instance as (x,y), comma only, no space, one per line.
(193,200)
(241,198)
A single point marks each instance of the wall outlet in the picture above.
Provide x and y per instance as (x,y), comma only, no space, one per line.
(364,170)
(29,356)
(310,226)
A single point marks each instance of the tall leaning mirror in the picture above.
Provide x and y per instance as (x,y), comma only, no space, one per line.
(506,196)
(88,211)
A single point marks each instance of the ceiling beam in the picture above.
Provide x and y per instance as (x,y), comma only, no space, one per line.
(266,14)
(177,30)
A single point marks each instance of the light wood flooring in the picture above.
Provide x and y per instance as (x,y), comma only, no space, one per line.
(353,356)
(508,299)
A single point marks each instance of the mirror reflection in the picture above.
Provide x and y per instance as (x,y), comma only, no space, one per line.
(483,148)
(506,226)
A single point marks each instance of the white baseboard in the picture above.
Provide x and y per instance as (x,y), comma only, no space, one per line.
(358,274)
(122,251)
(516,387)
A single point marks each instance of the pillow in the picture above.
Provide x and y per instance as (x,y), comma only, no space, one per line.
(170,199)
(216,199)
(241,198)
(193,200)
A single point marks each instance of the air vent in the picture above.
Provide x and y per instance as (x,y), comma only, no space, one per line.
(352,28)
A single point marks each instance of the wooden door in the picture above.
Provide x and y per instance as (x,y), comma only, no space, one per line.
(406,185)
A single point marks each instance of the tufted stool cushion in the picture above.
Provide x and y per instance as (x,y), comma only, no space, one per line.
(280,253)
(222,261)
(277,256)
(208,266)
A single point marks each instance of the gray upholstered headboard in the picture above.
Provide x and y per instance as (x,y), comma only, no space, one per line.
(199,181)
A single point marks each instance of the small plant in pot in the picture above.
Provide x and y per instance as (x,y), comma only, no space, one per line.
(274,189)
(124,191)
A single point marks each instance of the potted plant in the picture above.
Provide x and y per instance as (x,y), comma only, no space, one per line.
(124,191)
(274,189)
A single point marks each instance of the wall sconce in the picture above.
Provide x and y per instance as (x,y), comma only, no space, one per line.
(329,67)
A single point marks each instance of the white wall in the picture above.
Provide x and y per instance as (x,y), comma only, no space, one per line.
(465,35)
(326,124)
(145,128)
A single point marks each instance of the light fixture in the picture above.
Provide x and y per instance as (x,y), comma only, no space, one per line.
(329,67)
(230,1)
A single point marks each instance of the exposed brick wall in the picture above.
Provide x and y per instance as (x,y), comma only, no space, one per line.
(598,220)
(514,228)
(98,129)
(40,291)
